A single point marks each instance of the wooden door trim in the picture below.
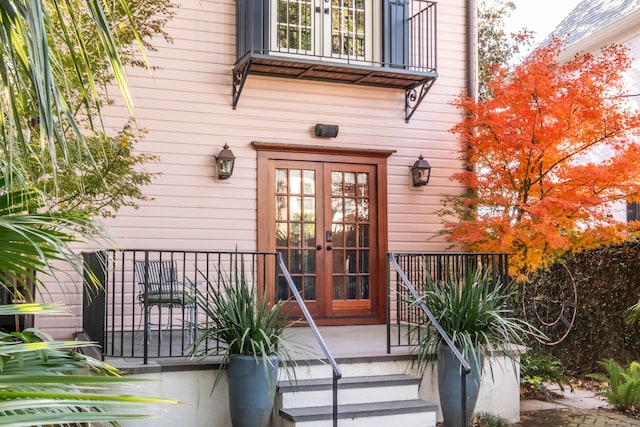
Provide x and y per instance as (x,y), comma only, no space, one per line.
(329,151)
(270,152)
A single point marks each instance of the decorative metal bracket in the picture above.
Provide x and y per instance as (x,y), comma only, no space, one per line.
(239,76)
(413,99)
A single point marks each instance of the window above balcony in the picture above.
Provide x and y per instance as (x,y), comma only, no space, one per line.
(388,43)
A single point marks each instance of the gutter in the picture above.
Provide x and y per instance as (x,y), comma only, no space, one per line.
(472,49)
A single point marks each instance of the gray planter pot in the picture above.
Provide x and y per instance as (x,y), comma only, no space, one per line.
(450,388)
(252,387)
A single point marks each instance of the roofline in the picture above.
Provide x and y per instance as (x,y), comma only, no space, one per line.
(617,32)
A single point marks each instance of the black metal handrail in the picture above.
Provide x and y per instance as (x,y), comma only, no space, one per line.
(465,367)
(337,373)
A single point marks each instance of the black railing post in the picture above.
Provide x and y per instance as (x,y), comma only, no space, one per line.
(93,296)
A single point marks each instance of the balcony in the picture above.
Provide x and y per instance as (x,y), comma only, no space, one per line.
(389,44)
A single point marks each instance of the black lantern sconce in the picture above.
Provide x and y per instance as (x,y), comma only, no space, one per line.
(225,161)
(420,172)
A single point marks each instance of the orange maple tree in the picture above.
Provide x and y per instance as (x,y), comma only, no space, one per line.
(547,155)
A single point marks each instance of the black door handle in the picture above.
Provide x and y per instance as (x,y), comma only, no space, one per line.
(329,247)
(319,247)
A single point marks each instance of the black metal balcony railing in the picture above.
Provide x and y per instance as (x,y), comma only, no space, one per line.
(408,270)
(131,316)
(391,45)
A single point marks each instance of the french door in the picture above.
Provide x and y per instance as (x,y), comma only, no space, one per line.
(323,218)
(325,28)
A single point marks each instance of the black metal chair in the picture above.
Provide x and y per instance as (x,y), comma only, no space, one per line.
(159,287)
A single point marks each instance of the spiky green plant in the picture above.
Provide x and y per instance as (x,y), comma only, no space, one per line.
(623,384)
(241,322)
(633,313)
(474,312)
(40,383)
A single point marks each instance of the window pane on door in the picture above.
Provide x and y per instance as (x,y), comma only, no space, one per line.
(296,229)
(294,25)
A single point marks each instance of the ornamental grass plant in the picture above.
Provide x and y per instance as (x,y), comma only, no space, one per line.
(239,322)
(474,311)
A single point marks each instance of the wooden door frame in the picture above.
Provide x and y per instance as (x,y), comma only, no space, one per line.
(267,151)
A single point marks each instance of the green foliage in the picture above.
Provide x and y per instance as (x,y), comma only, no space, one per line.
(606,280)
(623,384)
(41,384)
(474,312)
(485,419)
(30,242)
(240,320)
(537,370)
(633,313)
(495,46)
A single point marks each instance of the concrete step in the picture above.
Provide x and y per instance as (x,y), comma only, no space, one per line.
(408,413)
(351,390)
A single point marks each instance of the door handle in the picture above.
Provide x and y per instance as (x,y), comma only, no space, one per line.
(319,247)
(329,247)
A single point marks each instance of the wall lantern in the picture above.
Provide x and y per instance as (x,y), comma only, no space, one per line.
(421,172)
(225,161)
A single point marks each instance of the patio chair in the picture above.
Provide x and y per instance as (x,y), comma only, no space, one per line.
(159,287)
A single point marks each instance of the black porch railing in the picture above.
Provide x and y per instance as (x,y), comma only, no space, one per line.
(146,306)
(412,269)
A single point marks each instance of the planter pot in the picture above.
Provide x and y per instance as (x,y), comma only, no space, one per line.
(450,388)
(252,387)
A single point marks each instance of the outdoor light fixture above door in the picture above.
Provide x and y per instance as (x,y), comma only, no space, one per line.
(225,161)
(420,172)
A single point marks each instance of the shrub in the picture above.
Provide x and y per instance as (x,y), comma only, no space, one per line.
(623,384)
(537,370)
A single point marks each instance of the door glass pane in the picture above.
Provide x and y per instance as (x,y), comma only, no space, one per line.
(350,184)
(295,262)
(281,181)
(336,208)
(350,262)
(309,288)
(282,235)
(281,207)
(309,264)
(295,181)
(351,287)
(363,266)
(309,182)
(309,235)
(364,287)
(350,235)
(295,208)
(309,208)
(338,235)
(350,210)
(336,184)
(363,210)
(363,185)
(282,289)
(338,287)
(363,235)
(295,235)
(338,261)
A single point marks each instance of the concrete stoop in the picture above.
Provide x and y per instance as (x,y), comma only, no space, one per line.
(371,400)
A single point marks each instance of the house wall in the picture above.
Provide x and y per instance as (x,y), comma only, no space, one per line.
(185,105)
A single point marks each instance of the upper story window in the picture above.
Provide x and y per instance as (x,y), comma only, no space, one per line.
(341,29)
